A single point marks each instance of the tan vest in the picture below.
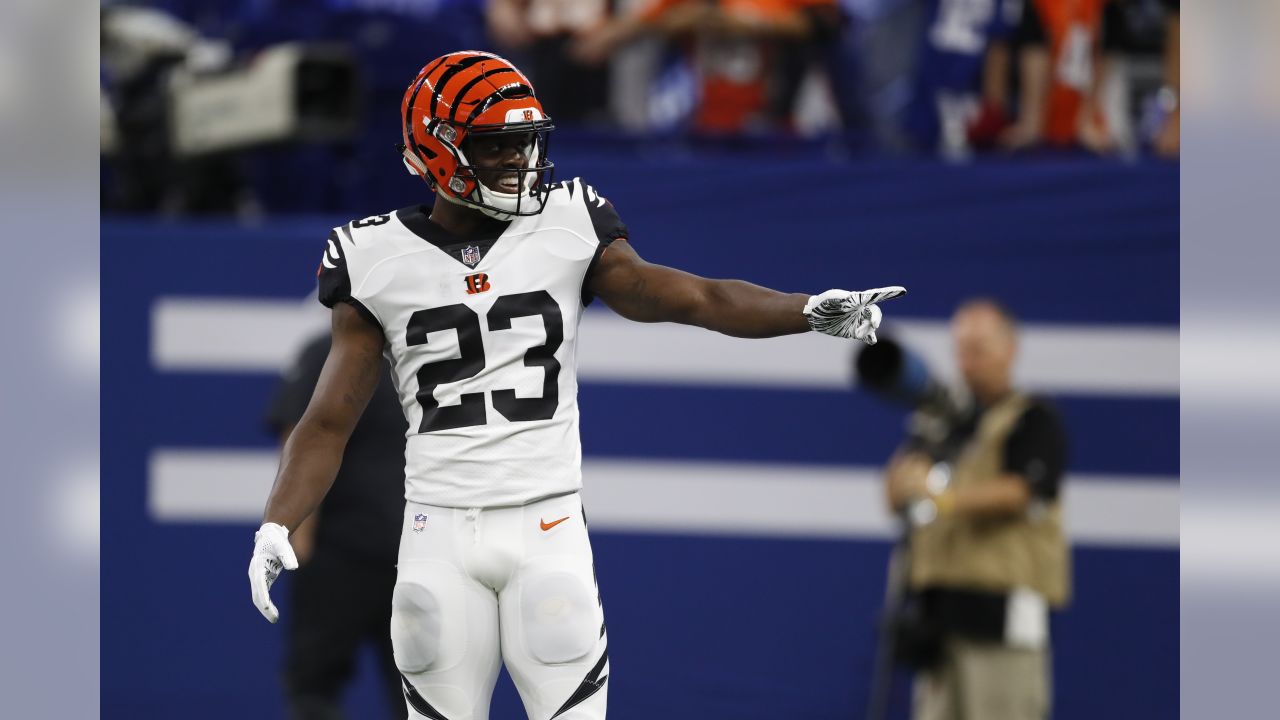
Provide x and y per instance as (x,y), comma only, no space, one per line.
(993,554)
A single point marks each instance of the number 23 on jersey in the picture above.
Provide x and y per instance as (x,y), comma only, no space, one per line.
(470,410)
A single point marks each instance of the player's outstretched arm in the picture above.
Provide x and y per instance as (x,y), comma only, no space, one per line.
(311,456)
(646,292)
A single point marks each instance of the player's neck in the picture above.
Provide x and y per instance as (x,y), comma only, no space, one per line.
(461,221)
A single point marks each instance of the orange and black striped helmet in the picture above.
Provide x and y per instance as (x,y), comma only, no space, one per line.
(466,94)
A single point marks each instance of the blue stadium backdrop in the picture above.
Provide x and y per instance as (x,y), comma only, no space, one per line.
(739,535)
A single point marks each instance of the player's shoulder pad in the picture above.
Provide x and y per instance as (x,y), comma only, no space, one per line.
(606,223)
(335,271)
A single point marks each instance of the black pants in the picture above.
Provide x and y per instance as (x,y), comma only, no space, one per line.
(339,603)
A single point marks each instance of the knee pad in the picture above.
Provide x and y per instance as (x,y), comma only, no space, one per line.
(415,627)
(560,617)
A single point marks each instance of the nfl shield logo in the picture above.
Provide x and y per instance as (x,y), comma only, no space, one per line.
(471,255)
(419,522)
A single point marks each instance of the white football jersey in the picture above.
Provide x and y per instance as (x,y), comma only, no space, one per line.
(482,338)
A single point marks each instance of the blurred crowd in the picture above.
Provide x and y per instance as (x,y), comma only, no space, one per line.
(203,99)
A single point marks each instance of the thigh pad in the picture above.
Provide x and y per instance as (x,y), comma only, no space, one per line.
(560,615)
(415,627)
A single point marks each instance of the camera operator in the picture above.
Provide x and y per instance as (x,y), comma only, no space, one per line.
(986,554)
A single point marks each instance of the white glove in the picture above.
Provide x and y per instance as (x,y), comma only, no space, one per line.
(850,314)
(271,552)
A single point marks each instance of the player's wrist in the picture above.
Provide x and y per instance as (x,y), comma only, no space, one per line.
(270,529)
(813,302)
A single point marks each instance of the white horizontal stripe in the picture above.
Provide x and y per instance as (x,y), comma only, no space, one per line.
(225,335)
(211,334)
(737,499)
(1134,360)
(824,501)
(209,485)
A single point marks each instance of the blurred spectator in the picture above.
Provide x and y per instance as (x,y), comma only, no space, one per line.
(1022,51)
(987,557)
(538,35)
(750,57)
(973,53)
(1128,69)
(1075,72)
(1059,76)
(954,56)
(946,75)
(347,550)
(1169,140)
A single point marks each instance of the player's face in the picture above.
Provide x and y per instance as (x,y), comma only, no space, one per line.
(985,347)
(497,157)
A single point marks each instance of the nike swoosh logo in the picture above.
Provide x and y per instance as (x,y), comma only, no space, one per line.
(548,525)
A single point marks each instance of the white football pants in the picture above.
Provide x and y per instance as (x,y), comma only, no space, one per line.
(481,587)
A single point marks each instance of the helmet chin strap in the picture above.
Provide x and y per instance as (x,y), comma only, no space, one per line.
(499,199)
(491,212)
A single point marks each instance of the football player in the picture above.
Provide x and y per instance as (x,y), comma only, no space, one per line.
(476,302)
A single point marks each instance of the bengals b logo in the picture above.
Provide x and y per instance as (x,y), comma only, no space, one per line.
(477,283)
(528,115)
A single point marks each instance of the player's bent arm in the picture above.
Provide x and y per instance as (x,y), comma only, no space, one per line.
(645,292)
(312,454)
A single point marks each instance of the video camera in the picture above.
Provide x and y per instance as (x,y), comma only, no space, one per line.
(940,422)
(290,92)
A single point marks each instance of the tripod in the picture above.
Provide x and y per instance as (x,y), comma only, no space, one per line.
(899,572)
